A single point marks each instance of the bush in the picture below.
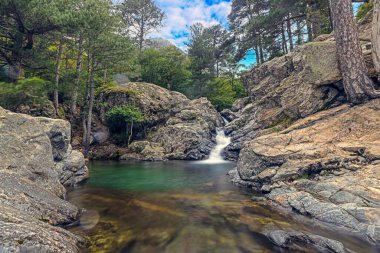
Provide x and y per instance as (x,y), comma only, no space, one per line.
(31,91)
(120,118)
(222,92)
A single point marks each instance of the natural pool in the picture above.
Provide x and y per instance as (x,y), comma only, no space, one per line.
(182,207)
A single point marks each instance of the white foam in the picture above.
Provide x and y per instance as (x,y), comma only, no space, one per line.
(222,141)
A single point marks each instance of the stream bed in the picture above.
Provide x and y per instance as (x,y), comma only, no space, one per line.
(182,207)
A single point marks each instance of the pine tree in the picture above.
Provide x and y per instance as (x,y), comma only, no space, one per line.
(376,36)
(141,17)
(22,21)
(357,85)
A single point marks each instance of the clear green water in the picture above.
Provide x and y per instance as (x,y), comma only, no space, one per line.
(181,207)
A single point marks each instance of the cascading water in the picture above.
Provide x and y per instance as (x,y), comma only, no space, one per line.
(222,141)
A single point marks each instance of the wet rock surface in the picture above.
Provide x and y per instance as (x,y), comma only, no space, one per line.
(175,127)
(36,162)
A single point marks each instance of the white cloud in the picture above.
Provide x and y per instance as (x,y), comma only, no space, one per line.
(181,14)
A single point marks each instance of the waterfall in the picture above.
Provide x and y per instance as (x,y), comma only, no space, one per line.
(222,141)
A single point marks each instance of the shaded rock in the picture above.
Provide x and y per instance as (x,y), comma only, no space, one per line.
(43,110)
(107,152)
(73,169)
(101,135)
(229,115)
(240,103)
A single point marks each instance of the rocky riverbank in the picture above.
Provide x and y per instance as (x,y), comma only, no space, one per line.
(324,166)
(37,161)
(299,143)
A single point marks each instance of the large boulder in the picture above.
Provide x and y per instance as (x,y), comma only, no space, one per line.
(36,162)
(324,166)
(175,127)
(155,102)
(188,135)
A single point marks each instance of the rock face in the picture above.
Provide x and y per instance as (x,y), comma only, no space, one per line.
(286,239)
(286,89)
(325,166)
(291,87)
(36,162)
(175,127)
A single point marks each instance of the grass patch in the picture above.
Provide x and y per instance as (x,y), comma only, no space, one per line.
(303,176)
(280,124)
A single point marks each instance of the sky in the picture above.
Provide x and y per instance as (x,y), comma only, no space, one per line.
(181,14)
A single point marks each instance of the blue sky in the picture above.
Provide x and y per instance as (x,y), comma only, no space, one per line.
(181,14)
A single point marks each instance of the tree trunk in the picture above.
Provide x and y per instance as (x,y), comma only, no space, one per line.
(14,71)
(217,68)
(284,44)
(357,85)
(290,34)
(309,31)
(261,52)
(299,33)
(74,97)
(141,39)
(90,106)
(130,134)
(57,68)
(84,125)
(15,61)
(257,55)
(315,19)
(126,134)
(376,36)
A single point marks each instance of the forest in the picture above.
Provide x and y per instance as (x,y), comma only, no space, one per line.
(65,50)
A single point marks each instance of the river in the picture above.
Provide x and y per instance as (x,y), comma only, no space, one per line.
(181,207)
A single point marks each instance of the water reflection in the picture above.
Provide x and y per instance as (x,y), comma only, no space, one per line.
(180,207)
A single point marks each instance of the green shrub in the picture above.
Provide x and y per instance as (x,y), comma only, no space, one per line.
(31,91)
(104,87)
(120,119)
(222,92)
(124,114)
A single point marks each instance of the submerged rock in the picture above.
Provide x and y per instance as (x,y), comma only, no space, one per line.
(175,127)
(36,162)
